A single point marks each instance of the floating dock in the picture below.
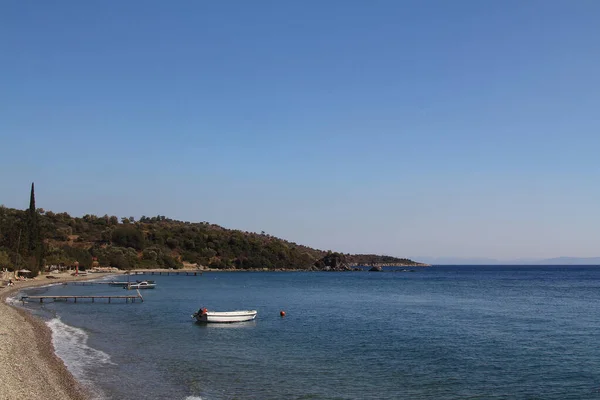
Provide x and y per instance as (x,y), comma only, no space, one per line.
(75,298)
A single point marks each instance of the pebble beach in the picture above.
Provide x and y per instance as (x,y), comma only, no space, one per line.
(30,367)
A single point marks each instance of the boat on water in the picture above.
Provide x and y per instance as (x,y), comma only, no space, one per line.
(141,285)
(125,284)
(203,315)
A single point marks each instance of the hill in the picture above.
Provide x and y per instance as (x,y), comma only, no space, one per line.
(150,242)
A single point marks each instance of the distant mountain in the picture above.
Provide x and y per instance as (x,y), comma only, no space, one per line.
(519,261)
(458,260)
(570,261)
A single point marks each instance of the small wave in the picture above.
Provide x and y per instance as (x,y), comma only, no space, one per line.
(193,398)
(70,344)
(13,300)
(49,285)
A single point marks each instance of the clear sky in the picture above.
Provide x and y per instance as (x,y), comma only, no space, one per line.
(408,128)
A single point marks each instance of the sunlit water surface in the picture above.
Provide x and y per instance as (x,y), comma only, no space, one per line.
(436,333)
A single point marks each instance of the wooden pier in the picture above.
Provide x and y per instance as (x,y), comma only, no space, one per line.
(90,283)
(75,298)
(175,272)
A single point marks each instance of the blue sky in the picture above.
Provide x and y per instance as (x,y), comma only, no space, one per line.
(408,128)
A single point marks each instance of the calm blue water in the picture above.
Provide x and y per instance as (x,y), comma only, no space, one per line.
(437,333)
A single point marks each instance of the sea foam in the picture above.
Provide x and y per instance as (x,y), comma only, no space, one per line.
(13,300)
(70,344)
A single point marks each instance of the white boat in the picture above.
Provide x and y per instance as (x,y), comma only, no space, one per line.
(203,315)
(141,285)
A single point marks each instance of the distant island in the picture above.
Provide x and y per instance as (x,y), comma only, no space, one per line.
(35,238)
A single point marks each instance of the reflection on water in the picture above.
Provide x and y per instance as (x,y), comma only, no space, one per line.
(228,325)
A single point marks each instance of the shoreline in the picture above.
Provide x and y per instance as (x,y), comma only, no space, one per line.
(34,370)
(353,269)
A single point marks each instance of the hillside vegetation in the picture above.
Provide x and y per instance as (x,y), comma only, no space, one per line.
(48,238)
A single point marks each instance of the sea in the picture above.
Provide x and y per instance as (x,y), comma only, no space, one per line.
(442,332)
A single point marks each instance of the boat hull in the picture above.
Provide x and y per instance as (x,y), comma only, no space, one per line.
(140,286)
(226,317)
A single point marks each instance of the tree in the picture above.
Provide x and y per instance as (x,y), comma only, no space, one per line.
(36,248)
(128,236)
(5,261)
(32,221)
(172,243)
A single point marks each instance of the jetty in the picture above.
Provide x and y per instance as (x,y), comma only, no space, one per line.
(133,298)
(174,272)
(90,283)
(111,283)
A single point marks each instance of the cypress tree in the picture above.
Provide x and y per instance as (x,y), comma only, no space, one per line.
(32,197)
(33,233)
(35,247)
